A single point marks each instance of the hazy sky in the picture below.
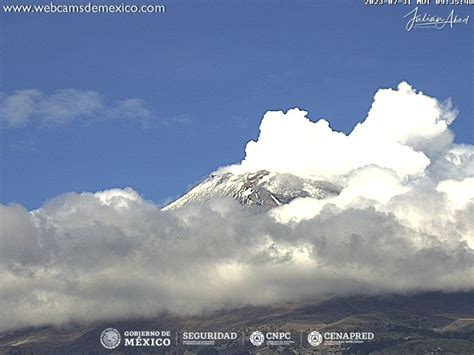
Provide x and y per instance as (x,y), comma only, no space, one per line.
(158,101)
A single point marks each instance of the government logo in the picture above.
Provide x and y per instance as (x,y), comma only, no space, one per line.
(315,338)
(110,338)
(257,338)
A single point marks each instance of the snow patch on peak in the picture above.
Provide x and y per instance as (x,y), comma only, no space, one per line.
(262,188)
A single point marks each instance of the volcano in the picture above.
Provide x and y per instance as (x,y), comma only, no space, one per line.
(262,188)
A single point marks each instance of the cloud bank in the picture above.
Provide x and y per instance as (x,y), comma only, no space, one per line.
(63,106)
(404,222)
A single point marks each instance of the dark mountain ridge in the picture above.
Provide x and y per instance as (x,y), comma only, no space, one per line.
(429,322)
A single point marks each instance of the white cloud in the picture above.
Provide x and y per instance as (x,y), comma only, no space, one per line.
(27,106)
(16,109)
(95,256)
(460,193)
(457,163)
(66,105)
(133,108)
(402,130)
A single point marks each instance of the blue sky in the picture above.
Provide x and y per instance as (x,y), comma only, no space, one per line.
(200,78)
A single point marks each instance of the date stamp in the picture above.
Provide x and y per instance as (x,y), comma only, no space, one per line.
(438,17)
(418,2)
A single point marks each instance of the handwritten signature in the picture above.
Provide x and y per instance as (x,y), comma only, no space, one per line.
(418,20)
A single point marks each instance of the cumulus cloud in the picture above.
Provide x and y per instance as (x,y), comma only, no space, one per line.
(26,106)
(402,223)
(403,129)
(95,256)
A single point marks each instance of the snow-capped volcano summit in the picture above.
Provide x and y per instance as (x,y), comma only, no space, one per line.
(261,188)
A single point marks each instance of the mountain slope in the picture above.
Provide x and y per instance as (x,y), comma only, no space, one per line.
(261,188)
(402,324)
